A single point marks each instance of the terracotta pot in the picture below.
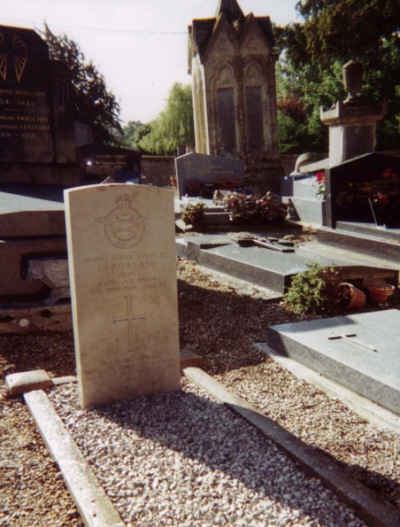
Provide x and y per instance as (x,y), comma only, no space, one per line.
(380,293)
(357,297)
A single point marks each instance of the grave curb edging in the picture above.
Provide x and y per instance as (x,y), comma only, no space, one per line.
(94,505)
(373,412)
(366,503)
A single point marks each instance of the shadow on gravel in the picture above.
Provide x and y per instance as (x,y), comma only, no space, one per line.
(388,488)
(53,352)
(221,326)
(207,433)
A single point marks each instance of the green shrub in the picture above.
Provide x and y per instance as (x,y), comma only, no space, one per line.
(317,291)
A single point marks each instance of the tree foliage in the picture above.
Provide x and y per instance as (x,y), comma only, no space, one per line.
(312,57)
(134,132)
(95,105)
(174,125)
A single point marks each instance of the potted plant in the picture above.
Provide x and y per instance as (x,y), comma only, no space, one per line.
(379,292)
(321,291)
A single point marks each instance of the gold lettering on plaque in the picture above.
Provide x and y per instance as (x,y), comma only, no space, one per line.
(13,56)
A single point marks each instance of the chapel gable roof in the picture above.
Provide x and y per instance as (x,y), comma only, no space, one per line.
(202,30)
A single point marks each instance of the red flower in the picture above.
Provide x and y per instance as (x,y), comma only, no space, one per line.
(389,173)
(382,199)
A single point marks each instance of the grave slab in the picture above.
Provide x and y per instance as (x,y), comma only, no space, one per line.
(360,352)
(273,269)
(29,210)
(121,246)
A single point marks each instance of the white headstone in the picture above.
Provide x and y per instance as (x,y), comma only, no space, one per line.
(121,251)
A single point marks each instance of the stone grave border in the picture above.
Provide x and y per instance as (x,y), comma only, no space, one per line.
(96,508)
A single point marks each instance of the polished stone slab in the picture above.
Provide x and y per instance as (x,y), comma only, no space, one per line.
(271,268)
(360,352)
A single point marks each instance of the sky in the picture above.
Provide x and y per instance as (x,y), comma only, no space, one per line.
(139,46)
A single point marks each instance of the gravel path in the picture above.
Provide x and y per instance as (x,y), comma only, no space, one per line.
(219,320)
(183,459)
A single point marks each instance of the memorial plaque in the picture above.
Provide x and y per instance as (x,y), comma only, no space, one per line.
(25,98)
(103,161)
(254,108)
(227,122)
(196,172)
(121,247)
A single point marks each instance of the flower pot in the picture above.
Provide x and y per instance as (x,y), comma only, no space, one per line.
(357,297)
(379,293)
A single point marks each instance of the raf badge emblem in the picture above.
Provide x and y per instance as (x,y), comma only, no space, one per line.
(124,226)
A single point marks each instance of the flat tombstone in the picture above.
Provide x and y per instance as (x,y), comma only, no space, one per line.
(124,291)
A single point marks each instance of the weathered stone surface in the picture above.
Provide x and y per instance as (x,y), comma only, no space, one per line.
(124,291)
(27,381)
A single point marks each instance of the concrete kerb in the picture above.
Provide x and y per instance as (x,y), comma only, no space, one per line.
(93,504)
(366,503)
(97,510)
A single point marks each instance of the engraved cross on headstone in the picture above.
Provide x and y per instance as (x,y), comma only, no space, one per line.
(13,51)
(130,318)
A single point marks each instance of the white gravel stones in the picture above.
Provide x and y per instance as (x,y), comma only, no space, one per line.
(183,459)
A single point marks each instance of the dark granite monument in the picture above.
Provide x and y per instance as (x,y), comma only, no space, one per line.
(36,113)
(37,161)
(365,189)
(100,162)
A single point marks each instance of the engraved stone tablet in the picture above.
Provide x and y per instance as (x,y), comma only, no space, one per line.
(121,251)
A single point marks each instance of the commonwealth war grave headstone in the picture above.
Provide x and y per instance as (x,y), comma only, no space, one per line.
(123,290)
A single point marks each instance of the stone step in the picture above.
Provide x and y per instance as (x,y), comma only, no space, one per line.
(367,241)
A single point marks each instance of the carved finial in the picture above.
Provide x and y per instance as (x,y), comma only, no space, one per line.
(353,74)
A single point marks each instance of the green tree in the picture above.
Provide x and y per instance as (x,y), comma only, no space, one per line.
(95,105)
(134,132)
(173,126)
(312,56)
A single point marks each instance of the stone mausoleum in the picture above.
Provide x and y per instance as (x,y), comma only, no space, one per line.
(232,62)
